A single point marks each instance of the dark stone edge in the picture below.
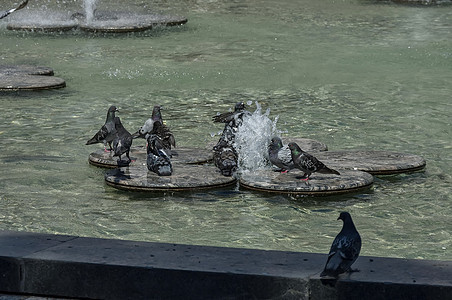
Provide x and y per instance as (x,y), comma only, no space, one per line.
(92,268)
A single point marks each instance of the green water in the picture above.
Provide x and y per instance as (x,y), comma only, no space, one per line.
(352,74)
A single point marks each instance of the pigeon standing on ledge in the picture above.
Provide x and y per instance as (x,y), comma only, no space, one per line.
(280,155)
(158,160)
(344,250)
(7,12)
(107,132)
(308,163)
(122,142)
(155,125)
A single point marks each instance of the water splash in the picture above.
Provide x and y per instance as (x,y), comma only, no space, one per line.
(252,140)
(90,7)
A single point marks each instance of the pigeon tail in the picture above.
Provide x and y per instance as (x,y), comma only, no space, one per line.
(326,170)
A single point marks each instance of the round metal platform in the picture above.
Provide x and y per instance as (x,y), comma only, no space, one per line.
(185,177)
(318,185)
(373,162)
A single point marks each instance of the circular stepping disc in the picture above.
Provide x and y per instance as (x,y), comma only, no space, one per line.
(373,162)
(29,82)
(112,26)
(317,185)
(43,26)
(184,178)
(182,155)
(25,70)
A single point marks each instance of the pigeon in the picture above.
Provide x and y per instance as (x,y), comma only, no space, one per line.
(122,142)
(280,155)
(7,12)
(344,250)
(225,156)
(155,125)
(308,163)
(158,159)
(107,132)
(239,111)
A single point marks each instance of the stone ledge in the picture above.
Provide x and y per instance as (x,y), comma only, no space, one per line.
(77,267)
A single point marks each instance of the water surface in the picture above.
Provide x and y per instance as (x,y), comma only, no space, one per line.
(352,74)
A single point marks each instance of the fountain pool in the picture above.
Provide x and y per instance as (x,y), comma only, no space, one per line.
(352,74)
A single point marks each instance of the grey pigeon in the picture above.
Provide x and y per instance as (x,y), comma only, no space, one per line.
(155,125)
(280,155)
(344,250)
(158,159)
(225,156)
(107,132)
(7,12)
(122,142)
(308,163)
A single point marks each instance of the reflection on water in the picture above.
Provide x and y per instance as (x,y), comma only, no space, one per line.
(352,74)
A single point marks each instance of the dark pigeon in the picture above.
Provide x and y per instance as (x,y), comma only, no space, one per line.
(344,250)
(239,112)
(280,155)
(308,163)
(155,125)
(158,159)
(122,142)
(5,13)
(225,156)
(107,132)
(225,159)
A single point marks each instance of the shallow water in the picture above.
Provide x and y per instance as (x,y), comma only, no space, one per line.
(352,74)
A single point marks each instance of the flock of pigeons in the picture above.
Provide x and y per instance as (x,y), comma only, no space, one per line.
(347,244)
(158,136)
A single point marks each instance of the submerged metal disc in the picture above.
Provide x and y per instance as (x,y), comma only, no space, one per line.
(25,70)
(183,155)
(43,26)
(102,22)
(318,185)
(29,82)
(185,177)
(373,162)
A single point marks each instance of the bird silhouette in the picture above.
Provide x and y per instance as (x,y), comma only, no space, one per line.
(344,250)
(122,142)
(107,132)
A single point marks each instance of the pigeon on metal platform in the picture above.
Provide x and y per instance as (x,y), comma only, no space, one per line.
(122,142)
(225,156)
(155,125)
(239,112)
(107,132)
(5,13)
(158,159)
(344,250)
(308,163)
(280,155)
